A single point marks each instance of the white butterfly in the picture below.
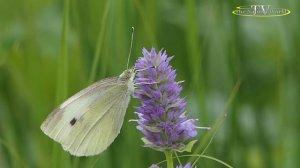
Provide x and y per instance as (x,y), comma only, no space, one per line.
(88,122)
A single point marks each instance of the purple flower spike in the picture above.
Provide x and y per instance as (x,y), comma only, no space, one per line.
(188,165)
(161,114)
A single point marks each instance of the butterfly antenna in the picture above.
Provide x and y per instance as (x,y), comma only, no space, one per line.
(132,33)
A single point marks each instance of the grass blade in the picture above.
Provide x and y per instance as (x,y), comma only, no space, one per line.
(99,42)
(207,139)
(58,157)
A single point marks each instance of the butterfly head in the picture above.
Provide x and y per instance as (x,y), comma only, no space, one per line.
(127,75)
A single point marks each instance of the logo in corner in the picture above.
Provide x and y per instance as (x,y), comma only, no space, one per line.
(260,11)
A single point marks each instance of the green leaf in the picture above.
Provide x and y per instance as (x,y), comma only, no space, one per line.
(152,129)
(188,147)
(146,142)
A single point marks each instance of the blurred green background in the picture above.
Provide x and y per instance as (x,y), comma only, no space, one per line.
(42,63)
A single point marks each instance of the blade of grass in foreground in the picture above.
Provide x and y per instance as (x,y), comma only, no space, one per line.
(207,139)
(199,156)
(17,159)
(99,42)
(60,159)
(93,160)
(149,28)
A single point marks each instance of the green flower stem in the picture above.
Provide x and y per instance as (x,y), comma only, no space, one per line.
(169,159)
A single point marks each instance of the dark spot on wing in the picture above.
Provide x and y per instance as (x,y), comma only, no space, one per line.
(73,121)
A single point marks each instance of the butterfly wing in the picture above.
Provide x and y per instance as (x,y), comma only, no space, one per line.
(88,122)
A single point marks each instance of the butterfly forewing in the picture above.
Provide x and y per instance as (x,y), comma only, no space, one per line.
(77,101)
(88,122)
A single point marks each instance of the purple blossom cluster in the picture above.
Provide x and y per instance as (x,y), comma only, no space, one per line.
(161,114)
(188,165)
